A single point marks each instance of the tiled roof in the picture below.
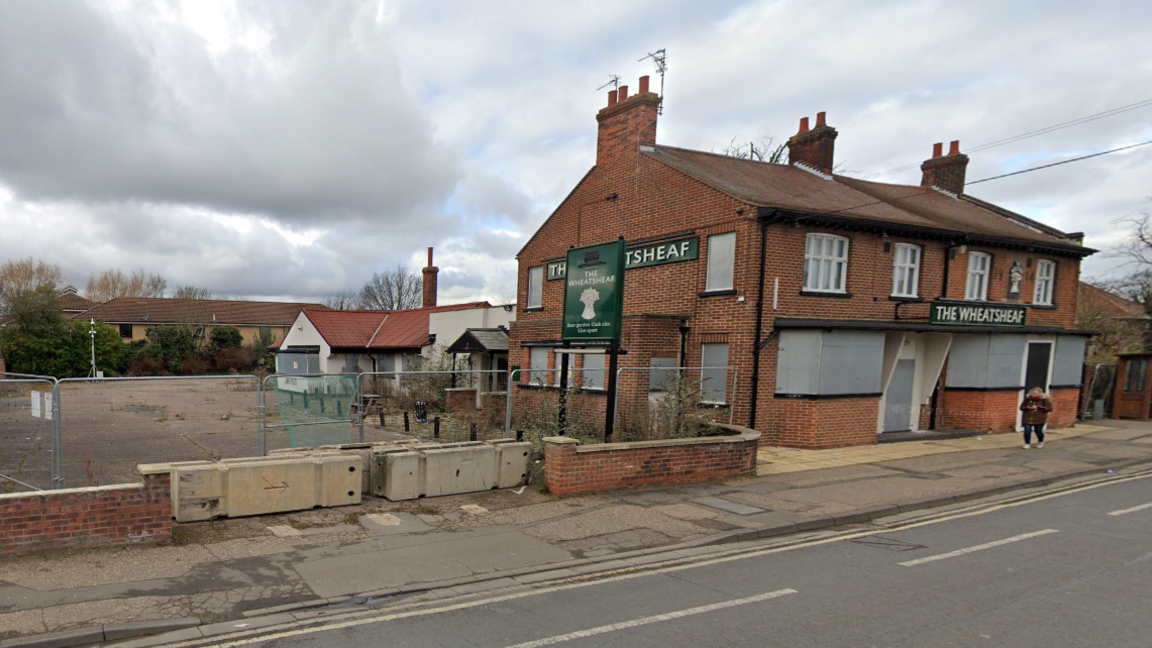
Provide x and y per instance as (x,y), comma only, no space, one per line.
(147,310)
(790,188)
(480,339)
(72,302)
(1090,297)
(378,330)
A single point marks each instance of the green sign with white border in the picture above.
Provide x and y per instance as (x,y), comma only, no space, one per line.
(642,256)
(965,314)
(594,292)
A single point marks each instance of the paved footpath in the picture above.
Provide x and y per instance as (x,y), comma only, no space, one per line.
(221,575)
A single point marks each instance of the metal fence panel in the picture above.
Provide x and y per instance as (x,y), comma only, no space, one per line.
(305,411)
(111,424)
(443,406)
(27,438)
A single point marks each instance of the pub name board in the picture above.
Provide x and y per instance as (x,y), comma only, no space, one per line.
(977,314)
(674,251)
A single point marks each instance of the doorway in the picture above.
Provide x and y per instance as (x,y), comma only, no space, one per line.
(1037,366)
(898,403)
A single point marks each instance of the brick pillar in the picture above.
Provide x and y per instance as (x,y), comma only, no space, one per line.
(429,273)
(814,148)
(945,171)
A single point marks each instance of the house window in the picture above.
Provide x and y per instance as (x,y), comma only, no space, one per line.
(126,330)
(978,266)
(538,365)
(593,373)
(1134,382)
(535,287)
(1045,277)
(714,375)
(661,374)
(571,369)
(825,263)
(721,261)
(906,273)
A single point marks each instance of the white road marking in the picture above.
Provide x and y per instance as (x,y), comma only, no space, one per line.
(352,619)
(1132,510)
(624,625)
(981,547)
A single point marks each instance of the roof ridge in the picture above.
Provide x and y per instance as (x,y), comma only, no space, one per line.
(378,327)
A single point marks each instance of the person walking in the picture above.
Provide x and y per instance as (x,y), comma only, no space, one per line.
(1036,406)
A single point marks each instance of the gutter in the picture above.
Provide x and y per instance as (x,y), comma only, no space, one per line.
(766,218)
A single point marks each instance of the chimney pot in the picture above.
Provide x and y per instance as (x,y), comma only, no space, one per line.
(946,172)
(954,149)
(820,120)
(623,93)
(429,257)
(803,125)
(643,85)
(937,150)
(611,98)
(814,147)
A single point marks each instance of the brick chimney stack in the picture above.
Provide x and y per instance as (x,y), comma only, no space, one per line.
(813,147)
(945,171)
(429,282)
(626,124)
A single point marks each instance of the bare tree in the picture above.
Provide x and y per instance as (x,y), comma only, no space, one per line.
(110,284)
(395,289)
(343,300)
(22,277)
(762,152)
(191,292)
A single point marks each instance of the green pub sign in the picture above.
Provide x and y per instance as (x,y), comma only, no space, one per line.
(642,256)
(594,292)
(967,314)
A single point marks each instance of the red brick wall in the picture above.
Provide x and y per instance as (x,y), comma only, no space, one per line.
(995,411)
(817,423)
(1064,407)
(570,469)
(460,400)
(80,518)
(632,195)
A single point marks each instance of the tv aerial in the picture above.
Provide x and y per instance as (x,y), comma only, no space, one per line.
(613,80)
(659,57)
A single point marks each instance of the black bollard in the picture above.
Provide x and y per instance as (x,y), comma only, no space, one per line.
(291,397)
(472,433)
(339,407)
(405,421)
(305,400)
(381,418)
(519,435)
(321,404)
(436,428)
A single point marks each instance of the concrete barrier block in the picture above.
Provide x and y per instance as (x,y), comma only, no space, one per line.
(198,491)
(401,477)
(459,470)
(512,461)
(340,480)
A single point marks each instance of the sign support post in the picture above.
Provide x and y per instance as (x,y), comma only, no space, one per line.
(594,310)
(562,415)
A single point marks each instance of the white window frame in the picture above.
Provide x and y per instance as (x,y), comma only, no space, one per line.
(711,374)
(824,269)
(537,374)
(721,270)
(976,286)
(536,287)
(906,271)
(1045,282)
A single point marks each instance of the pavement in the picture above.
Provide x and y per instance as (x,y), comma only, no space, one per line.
(220,576)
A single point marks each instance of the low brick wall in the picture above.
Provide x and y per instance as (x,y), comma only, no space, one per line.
(574,469)
(79,518)
(460,399)
(821,423)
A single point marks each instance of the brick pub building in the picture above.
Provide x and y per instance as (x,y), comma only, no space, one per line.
(848,309)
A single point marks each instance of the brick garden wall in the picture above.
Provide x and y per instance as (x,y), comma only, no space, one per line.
(573,469)
(80,518)
(821,423)
(460,399)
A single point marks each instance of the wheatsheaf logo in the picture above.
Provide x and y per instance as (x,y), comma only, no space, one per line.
(589,297)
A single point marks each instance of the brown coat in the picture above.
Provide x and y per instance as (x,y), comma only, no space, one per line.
(1035,412)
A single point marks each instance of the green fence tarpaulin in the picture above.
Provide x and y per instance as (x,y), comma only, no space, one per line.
(322,402)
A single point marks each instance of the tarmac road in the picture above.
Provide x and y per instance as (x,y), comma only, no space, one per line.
(1069,569)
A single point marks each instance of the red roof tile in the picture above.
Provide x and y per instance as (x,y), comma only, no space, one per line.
(378,330)
(1091,298)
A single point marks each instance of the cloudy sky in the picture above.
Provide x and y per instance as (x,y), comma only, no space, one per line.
(289,149)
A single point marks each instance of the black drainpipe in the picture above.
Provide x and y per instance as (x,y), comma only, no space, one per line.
(766,218)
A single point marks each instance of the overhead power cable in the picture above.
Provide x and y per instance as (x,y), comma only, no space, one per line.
(1034,133)
(1048,166)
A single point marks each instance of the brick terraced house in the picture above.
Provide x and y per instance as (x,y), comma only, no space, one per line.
(848,309)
